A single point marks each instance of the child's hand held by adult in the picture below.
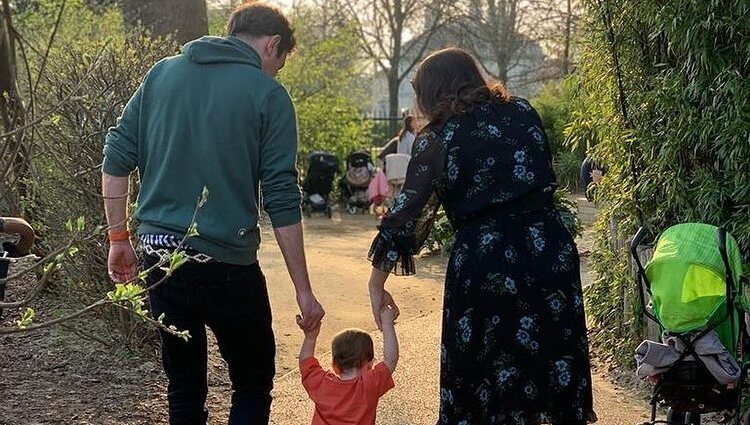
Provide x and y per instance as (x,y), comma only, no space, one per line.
(309,331)
(388,314)
(311,310)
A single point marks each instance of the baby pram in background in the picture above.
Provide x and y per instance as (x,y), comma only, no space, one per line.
(321,171)
(359,172)
(695,283)
(16,238)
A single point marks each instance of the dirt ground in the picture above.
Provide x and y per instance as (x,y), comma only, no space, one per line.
(55,377)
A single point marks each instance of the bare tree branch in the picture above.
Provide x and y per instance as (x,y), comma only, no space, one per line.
(52,110)
(66,318)
(384,25)
(41,284)
(43,66)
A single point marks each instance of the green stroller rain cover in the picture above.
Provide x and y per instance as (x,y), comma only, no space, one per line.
(688,282)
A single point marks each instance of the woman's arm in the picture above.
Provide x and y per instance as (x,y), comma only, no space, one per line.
(406,226)
(379,297)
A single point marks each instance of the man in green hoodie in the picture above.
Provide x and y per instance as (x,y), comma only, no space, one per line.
(212,117)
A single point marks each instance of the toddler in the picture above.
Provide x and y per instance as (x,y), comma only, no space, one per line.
(350,393)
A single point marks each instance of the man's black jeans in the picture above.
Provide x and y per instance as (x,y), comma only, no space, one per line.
(233,301)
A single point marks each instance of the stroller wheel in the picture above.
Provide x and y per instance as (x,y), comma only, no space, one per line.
(352,209)
(675,417)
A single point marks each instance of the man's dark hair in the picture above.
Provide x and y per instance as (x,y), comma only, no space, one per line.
(257,19)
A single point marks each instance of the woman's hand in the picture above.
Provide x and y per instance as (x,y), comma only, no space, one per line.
(380,300)
(379,297)
(389,303)
(376,299)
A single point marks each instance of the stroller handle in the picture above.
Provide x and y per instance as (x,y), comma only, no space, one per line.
(721,238)
(637,239)
(644,285)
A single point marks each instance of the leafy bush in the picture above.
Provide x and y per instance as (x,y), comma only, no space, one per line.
(323,77)
(567,168)
(380,133)
(441,237)
(556,104)
(684,69)
(568,209)
(92,70)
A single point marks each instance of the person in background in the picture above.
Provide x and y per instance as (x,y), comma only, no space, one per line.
(406,136)
(402,142)
(590,176)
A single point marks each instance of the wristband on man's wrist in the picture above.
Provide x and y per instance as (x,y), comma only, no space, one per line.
(118,235)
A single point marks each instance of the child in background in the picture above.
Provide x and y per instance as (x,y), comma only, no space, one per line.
(378,192)
(349,395)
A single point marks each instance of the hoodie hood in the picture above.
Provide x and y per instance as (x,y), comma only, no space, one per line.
(210,50)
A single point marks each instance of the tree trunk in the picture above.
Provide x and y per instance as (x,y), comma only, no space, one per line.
(393,107)
(394,75)
(568,36)
(503,63)
(185,19)
(13,153)
(500,27)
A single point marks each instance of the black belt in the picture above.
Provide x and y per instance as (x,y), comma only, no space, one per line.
(530,203)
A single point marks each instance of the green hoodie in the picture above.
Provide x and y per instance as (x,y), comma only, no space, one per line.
(209,117)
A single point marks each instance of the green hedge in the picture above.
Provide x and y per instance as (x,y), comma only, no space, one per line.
(556,105)
(684,68)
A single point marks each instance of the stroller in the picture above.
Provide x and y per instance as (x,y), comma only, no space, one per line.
(321,170)
(359,172)
(695,283)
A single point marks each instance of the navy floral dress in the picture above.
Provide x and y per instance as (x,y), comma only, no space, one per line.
(514,348)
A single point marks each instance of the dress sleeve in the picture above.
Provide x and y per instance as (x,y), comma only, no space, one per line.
(406,227)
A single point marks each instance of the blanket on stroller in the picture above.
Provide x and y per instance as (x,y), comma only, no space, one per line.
(654,358)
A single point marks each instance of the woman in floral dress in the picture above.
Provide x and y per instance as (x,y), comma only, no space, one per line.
(514,347)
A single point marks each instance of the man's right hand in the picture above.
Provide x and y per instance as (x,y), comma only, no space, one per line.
(122,262)
(311,311)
